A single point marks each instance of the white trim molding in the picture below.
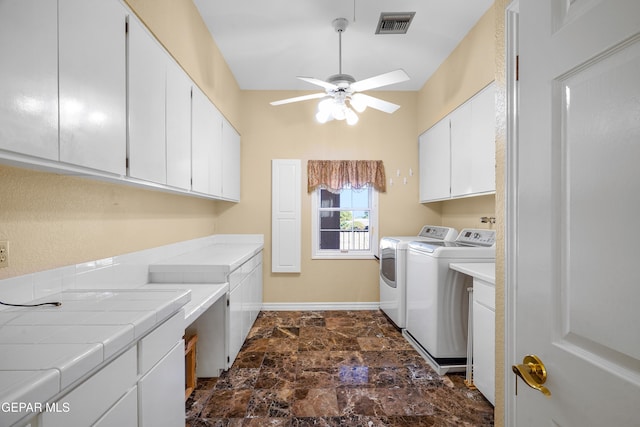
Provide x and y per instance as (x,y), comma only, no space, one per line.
(319,306)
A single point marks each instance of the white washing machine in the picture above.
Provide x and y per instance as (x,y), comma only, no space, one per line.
(437,297)
(393,256)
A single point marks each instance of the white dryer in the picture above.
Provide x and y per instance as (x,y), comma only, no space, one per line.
(437,297)
(393,256)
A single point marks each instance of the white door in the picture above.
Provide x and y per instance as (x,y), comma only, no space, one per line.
(574,228)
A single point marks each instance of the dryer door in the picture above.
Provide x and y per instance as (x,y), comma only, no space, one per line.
(388,262)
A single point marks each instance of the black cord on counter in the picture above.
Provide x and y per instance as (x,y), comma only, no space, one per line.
(56,303)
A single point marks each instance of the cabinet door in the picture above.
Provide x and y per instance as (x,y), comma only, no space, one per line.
(147,80)
(435,163)
(235,322)
(161,391)
(92,84)
(206,145)
(230,162)
(462,151)
(473,145)
(483,129)
(29,77)
(178,127)
(256,284)
(484,350)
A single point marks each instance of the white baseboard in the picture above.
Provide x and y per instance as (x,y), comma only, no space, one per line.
(319,306)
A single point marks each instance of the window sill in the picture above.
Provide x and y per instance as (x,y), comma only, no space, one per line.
(343,256)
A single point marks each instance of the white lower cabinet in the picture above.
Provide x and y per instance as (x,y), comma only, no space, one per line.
(161,371)
(235,323)
(245,301)
(161,391)
(144,386)
(85,404)
(484,338)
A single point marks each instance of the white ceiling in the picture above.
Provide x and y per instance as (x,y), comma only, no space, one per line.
(267,43)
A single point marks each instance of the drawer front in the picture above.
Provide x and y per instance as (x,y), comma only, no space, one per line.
(91,399)
(154,346)
(122,414)
(484,293)
(244,270)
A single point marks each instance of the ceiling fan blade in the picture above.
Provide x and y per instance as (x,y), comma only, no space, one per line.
(318,82)
(389,78)
(378,104)
(300,98)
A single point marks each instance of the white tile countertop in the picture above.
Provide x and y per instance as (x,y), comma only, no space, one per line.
(44,350)
(481,270)
(203,296)
(211,264)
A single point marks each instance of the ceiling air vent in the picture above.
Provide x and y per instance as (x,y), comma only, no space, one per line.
(394,23)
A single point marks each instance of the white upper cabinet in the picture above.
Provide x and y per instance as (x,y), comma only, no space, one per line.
(435,162)
(147,64)
(178,127)
(473,129)
(80,94)
(29,77)
(92,84)
(457,155)
(230,162)
(206,146)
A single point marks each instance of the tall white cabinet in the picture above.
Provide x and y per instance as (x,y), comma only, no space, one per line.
(92,82)
(457,154)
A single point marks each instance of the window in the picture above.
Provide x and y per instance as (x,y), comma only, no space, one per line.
(344,224)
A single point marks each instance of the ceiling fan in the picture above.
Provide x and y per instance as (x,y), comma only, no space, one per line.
(343,94)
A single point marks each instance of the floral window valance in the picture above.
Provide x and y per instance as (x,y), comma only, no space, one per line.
(334,175)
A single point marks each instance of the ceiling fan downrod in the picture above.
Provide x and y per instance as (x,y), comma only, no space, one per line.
(340,25)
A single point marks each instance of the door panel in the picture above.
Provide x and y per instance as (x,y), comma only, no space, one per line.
(576,205)
(600,146)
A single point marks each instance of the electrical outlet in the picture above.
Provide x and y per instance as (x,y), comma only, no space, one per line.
(4,253)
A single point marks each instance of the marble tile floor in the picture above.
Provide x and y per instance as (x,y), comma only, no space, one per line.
(332,368)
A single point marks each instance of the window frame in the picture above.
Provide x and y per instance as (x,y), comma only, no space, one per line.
(317,253)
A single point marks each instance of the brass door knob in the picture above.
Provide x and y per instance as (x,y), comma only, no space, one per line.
(533,373)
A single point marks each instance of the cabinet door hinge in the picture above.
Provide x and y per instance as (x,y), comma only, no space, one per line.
(517,67)
(228,359)
(228,302)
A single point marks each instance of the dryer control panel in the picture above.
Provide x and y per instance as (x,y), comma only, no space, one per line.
(438,233)
(477,237)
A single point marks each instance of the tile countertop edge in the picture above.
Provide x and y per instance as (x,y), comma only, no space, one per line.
(481,270)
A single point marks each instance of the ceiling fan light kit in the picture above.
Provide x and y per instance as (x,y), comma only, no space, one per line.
(342,97)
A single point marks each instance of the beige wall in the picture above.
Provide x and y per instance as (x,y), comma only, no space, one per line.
(290,131)
(54,220)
